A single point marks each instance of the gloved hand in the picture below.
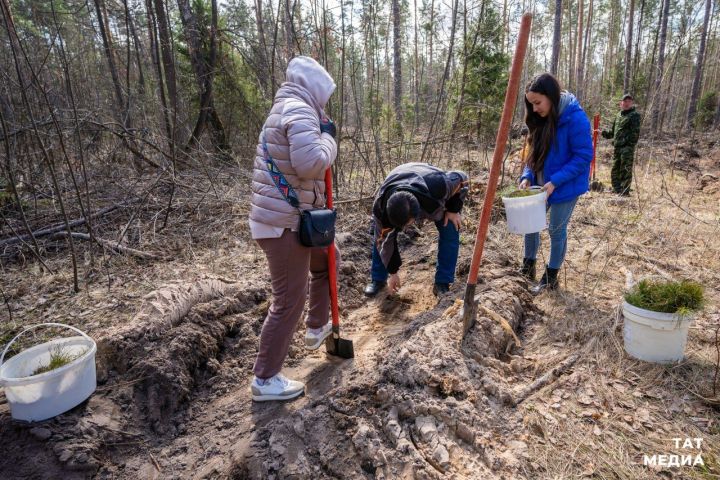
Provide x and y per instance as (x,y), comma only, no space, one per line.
(327,126)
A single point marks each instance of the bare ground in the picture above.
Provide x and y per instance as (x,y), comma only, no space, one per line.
(177,340)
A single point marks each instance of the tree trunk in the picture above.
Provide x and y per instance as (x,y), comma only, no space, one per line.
(290,39)
(571,49)
(586,44)
(16,48)
(168,63)
(638,40)
(672,70)
(264,74)
(204,72)
(445,77)
(431,59)
(628,48)
(155,49)
(397,64)
(137,45)
(697,81)
(466,52)
(109,54)
(416,79)
(557,27)
(660,65)
(579,52)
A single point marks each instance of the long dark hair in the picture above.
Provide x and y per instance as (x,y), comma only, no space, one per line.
(541,130)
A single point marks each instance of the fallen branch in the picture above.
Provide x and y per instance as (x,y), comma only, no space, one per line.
(354,200)
(666,192)
(57,228)
(109,245)
(551,375)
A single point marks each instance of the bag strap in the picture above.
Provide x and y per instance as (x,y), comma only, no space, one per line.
(286,190)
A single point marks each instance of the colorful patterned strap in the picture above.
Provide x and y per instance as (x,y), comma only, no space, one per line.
(278,178)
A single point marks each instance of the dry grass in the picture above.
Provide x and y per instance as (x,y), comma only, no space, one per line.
(613,409)
(596,422)
(59,357)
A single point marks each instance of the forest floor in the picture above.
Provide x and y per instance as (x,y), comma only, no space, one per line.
(177,337)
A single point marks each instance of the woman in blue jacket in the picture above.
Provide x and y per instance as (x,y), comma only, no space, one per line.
(559,160)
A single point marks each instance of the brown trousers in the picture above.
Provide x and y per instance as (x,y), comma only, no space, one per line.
(289,263)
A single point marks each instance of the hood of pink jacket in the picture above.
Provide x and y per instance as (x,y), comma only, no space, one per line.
(310,75)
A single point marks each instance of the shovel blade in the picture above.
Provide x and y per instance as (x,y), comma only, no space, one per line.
(340,347)
(469,309)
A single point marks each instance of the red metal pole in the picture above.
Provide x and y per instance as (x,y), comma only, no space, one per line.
(332,264)
(500,143)
(596,127)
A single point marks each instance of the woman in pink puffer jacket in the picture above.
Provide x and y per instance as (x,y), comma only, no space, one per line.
(301,141)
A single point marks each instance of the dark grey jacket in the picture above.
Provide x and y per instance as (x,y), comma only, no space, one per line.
(437,191)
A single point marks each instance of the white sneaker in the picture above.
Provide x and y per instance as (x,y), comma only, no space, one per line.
(314,337)
(276,388)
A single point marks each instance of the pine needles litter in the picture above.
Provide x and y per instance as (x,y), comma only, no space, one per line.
(59,357)
(514,192)
(681,297)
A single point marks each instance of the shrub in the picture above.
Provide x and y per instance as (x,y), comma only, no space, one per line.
(681,297)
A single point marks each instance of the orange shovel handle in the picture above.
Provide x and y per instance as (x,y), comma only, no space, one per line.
(596,126)
(500,142)
(332,261)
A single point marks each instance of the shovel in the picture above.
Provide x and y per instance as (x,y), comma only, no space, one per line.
(470,305)
(334,345)
(595,185)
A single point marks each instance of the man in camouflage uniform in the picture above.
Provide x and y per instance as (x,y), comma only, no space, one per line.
(624,133)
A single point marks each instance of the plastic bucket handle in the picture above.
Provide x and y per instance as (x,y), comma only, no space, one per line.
(2,357)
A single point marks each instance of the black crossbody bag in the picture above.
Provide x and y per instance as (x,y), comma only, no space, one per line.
(317,226)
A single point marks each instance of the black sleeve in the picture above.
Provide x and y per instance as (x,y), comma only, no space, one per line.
(459,184)
(395,260)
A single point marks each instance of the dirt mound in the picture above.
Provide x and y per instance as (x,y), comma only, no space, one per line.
(150,369)
(175,339)
(426,406)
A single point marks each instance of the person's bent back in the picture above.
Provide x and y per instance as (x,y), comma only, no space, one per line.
(415,192)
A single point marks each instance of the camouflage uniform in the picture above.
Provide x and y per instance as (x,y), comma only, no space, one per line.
(624,133)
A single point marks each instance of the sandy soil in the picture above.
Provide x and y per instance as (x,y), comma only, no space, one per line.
(177,340)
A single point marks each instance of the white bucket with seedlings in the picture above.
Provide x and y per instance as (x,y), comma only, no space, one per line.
(51,378)
(654,336)
(659,336)
(525,210)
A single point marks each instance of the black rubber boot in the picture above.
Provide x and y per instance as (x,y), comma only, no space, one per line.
(528,269)
(549,281)
(374,287)
(441,288)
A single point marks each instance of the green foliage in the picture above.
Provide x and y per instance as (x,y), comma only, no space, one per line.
(59,357)
(522,193)
(487,68)
(706,110)
(681,297)
(238,98)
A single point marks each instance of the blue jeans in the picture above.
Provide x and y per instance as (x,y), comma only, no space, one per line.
(559,218)
(448,247)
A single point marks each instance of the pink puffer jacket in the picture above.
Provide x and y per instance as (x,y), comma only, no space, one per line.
(300,150)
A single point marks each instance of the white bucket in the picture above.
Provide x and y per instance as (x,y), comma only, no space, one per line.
(42,396)
(526,214)
(654,336)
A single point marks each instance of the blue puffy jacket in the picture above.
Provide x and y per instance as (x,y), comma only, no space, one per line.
(567,165)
